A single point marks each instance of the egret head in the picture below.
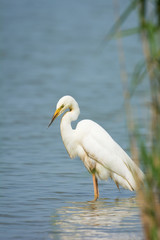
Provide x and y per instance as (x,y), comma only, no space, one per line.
(66,102)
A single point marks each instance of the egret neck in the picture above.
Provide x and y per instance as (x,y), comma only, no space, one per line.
(67,132)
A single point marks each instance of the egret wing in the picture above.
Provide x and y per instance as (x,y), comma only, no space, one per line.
(100,146)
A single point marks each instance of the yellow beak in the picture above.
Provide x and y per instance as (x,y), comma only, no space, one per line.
(56,114)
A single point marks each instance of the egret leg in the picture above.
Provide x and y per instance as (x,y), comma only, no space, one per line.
(95,185)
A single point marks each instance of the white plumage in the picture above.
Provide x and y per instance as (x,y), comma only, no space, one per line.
(101,155)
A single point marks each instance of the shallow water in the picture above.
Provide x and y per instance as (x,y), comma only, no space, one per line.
(49,50)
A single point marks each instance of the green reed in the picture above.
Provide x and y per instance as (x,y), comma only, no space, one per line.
(147,70)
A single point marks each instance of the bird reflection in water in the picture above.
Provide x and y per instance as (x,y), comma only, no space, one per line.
(106,219)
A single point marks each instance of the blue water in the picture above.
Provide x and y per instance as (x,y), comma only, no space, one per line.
(50,49)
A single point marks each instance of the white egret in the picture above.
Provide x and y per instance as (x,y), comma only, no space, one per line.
(101,155)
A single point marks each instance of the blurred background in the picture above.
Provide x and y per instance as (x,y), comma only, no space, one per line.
(49,49)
